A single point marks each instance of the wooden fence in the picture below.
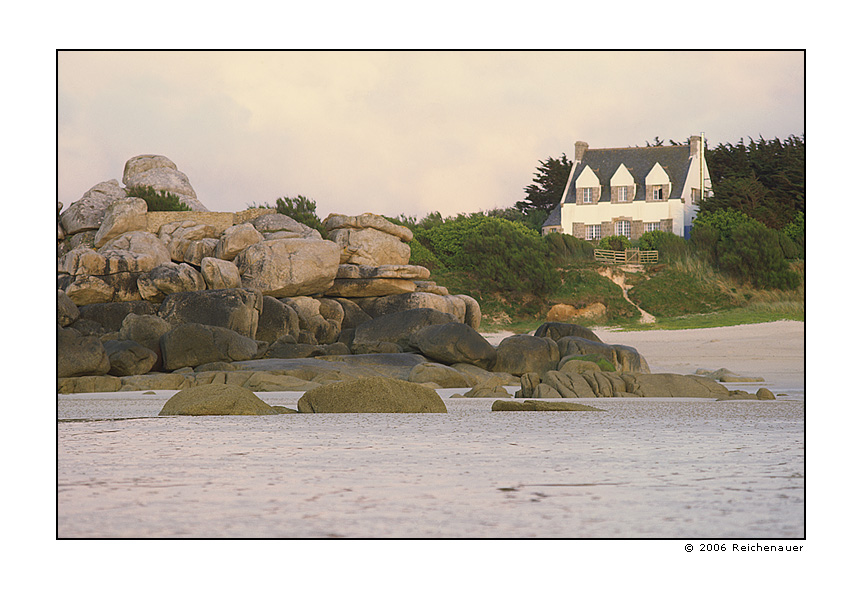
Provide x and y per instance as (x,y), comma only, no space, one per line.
(630,256)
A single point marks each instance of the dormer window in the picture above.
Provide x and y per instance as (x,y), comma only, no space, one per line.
(621,194)
(588,194)
(657,193)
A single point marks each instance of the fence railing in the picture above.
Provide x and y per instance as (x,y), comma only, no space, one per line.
(629,256)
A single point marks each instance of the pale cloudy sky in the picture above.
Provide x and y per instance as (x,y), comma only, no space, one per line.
(400,131)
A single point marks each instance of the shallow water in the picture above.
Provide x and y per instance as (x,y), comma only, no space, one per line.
(654,468)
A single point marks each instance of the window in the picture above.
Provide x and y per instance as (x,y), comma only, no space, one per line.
(651,227)
(657,193)
(622,228)
(588,194)
(696,195)
(593,232)
(621,193)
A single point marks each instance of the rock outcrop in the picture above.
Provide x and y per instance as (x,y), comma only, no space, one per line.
(216,399)
(193,344)
(160,173)
(372,395)
(532,405)
(258,300)
(454,343)
(80,355)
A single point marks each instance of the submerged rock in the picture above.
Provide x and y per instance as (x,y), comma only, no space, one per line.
(216,399)
(371,395)
(532,405)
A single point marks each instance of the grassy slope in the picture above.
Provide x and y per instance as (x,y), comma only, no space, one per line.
(682,295)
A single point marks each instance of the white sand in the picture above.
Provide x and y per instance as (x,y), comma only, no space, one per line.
(773,351)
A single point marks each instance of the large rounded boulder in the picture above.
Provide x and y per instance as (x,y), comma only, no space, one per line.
(128,357)
(233,308)
(520,354)
(371,395)
(453,343)
(216,399)
(79,355)
(396,328)
(193,344)
(557,330)
(289,267)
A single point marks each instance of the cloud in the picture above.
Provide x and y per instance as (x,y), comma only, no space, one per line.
(399,132)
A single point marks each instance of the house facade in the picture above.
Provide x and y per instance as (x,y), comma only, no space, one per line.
(632,190)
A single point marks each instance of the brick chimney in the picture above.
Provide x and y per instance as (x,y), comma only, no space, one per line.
(580,148)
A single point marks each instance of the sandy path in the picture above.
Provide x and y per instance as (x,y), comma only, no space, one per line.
(773,351)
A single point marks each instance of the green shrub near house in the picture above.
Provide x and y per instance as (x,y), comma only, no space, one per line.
(497,253)
(745,249)
(161,200)
(670,246)
(568,249)
(617,243)
(422,256)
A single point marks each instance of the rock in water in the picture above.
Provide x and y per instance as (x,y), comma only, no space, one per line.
(371,395)
(216,399)
(531,405)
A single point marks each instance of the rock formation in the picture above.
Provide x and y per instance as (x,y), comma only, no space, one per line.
(174,300)
(371,395)
(216,399)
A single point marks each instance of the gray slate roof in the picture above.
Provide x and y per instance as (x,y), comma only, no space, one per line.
(639,161)
(553,217)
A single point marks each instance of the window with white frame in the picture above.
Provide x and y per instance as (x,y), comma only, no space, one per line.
(652,226)
(621,193)
(622,228)
(587,194)
(593,232)
(657,193)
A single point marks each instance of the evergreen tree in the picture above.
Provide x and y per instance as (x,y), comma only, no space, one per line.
(548,185)
(764,179)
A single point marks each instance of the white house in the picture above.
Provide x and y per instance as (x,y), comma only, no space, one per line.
(632,190)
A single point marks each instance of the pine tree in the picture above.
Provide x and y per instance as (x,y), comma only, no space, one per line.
(548,185)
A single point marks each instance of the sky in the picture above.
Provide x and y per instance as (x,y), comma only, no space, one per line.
(399,132)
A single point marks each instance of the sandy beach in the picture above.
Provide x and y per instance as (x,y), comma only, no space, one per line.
(773,351)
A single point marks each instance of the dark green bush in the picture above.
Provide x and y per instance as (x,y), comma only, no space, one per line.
(422,256)
(669,245)
(710,228)
(617,243)
(566,248)
(703,240)
(301,209)
(753,253)
(796,231)
(157,201)
(499,254)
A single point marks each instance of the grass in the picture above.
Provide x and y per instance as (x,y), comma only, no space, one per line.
(753,313)
(683,294)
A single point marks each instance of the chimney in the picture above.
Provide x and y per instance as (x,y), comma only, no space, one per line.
(580,148)
(694,146)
